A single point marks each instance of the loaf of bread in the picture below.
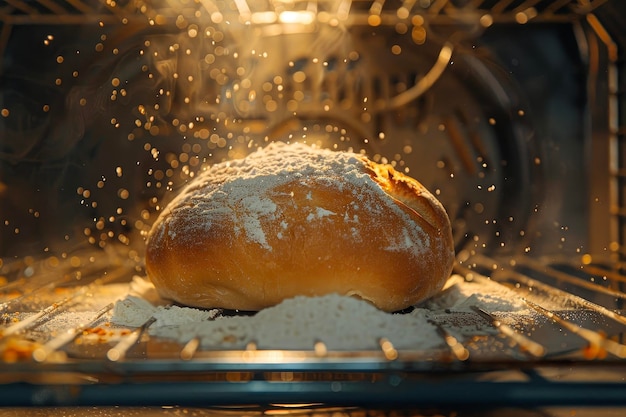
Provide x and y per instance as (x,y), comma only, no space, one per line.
(291,220)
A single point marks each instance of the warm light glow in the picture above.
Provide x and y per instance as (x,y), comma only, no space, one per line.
(302,17)
(486,20)
(374,20)
(263,17)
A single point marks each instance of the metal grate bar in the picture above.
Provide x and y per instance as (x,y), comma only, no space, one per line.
(405,10)
(555,6)
(586,6)
(119,351)
(22,6)
(243,9)
(595,270)
(506,275)
(594,338)
(190,349)
(55,278)
(81,6)
(437,6)
(15,266)
(377,7)
(52,6)
(570,279)
(26,294)
(32,277)
(526,5)
(526,344)
(43,353)
(578,301)
(10,286)
(388,349)
(32,320)
(459,351)
(501,6)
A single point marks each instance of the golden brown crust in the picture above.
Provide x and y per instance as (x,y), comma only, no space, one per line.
(253,233)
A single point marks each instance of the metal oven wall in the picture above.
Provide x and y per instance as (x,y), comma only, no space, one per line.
(81,163)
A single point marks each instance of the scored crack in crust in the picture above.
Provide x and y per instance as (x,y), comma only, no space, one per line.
(409,193)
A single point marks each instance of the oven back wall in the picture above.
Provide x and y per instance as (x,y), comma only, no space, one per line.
(96,130)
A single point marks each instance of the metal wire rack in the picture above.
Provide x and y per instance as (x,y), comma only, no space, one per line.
(55,12)
(587,334)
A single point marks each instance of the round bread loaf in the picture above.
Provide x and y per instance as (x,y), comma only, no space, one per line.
(293,220)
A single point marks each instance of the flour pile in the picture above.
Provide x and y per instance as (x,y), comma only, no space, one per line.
(342,323)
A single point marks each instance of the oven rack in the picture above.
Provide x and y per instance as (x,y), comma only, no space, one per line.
(580,347)
(40,11)
(87,12)
(594,288)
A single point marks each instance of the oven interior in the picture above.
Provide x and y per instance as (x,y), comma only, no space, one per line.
(510,111)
